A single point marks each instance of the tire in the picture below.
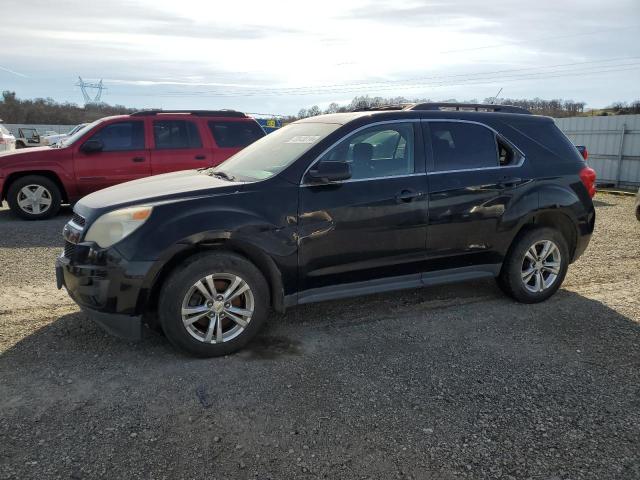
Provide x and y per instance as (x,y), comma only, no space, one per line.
(638,213)
(513,278)
(19,145)
(180,291)
(50,197)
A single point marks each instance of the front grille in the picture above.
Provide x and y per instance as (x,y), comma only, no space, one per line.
(78,219)
(69,249)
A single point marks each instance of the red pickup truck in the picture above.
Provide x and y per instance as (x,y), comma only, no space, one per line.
(36,181)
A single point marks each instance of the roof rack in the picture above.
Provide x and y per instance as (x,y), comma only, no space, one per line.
(201,113)
(381,107)
(477,107)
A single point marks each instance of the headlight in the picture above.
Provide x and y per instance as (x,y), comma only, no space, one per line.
(112,227)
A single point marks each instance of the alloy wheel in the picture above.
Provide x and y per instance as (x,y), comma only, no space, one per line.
(541,266)
(217,308)
(34,199)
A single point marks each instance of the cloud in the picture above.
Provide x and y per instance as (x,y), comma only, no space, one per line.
(187,51)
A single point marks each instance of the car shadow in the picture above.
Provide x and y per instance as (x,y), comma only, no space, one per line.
(458,362)
(19,233)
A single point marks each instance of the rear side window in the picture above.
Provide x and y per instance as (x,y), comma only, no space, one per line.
(176,134)
(461,146)
(121,136)
(235,134)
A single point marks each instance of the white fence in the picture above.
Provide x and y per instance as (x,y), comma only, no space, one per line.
(613,143)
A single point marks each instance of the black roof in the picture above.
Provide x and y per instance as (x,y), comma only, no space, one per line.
(399,114)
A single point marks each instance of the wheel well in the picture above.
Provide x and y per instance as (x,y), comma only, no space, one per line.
(262,262)
(43,173)
(558,221)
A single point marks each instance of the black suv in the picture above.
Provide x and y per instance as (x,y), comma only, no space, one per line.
(330,207)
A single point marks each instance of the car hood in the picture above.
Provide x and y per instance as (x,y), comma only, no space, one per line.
(159,188)
(24,153)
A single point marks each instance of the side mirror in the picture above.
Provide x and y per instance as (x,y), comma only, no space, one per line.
(326,172)
(92,146)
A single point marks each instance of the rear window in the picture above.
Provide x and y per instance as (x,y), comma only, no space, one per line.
(462,146)
(549,137)
(176,134)
(235,134)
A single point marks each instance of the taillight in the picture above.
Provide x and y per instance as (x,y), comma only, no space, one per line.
(3,141)
(588,177)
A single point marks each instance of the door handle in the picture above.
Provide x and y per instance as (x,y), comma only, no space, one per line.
(137,159)
(200,157)
(407,196)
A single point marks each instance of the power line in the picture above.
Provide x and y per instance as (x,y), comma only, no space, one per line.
(477,79)
(342,88)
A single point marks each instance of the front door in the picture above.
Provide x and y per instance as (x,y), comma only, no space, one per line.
(372,226)
(178,146)
(122,158)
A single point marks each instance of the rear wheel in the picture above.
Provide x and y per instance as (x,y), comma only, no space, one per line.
(535,265)
(34,197)
(213,304)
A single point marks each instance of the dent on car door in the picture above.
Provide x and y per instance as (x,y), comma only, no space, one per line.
(372,226)
(475,178)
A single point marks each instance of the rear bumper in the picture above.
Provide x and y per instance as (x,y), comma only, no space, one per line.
(108,291)
(585,230)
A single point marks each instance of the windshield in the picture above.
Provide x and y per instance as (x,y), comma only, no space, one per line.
(76,128)
(271,154)
(73,138)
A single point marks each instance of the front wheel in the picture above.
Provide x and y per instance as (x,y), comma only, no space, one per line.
(34,197)
(213,304)
(535,265)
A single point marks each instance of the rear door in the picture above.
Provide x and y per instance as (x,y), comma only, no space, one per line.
(124,157)
(475,177)
(231,136)
(178,145)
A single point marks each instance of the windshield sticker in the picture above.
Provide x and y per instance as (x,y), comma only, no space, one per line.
(303,139)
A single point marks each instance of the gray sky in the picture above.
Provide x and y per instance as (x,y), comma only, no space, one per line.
(280,56)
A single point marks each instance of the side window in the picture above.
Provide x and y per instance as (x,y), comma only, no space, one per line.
(176,134)
(379,151)
(460,146)
(235,134)
(121,136)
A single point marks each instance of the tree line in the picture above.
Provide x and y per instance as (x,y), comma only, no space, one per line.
(554,108)
(48,111)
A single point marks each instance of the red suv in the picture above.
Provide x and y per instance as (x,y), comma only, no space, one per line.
(117,149)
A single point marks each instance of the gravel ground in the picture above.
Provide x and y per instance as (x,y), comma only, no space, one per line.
(440,383)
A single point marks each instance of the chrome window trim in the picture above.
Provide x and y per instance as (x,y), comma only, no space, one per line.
(363,127)
(497,134)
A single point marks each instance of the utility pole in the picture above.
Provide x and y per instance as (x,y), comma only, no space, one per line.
(85,85)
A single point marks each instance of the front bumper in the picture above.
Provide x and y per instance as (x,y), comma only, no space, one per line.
(106,287)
